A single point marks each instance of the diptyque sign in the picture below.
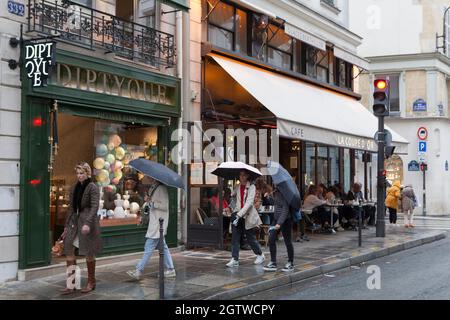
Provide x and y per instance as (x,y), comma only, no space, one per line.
(39,58)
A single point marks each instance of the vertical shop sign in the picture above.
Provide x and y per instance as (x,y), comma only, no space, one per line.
(39,59)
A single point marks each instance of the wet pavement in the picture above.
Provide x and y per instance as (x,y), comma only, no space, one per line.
(202,274)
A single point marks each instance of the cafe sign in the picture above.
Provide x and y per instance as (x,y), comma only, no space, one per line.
(39,60)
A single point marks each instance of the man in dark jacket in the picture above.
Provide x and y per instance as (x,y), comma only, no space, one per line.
(282,221)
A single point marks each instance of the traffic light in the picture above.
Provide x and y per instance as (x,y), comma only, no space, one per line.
(423,166)
(381,98)
(388,151)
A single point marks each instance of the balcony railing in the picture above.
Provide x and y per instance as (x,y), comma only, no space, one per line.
(90,28)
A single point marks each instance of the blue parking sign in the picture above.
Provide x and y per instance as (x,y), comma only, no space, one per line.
(422,146)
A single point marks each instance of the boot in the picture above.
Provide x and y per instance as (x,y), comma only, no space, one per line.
(68,290)
(91,277)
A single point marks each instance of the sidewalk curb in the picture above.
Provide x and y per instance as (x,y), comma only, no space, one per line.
(278,279)
(60,268)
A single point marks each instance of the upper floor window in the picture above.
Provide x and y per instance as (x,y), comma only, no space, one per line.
(87,3)
(221,25)
(343,74)
(316,63)
(394,92)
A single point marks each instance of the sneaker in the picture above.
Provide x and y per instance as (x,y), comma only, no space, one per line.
(288,267)
(233,263)
(406,226)
(271,267)
(135,274)
(170,273)
(298,239)
(260,259)
(412,226)
(305,237)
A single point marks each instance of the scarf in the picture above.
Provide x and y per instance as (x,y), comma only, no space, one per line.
(78,194)
(152,189)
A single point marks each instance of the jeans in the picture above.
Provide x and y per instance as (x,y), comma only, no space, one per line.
(150,245)
(236,239)
(392,215)
(286,231)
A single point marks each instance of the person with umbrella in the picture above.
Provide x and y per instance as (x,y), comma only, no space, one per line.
(157,202)
(245,218)
(286,199)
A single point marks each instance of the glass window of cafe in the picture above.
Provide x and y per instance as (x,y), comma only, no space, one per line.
(108,147)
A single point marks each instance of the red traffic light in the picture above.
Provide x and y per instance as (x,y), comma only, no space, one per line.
(423,167)
(381,84)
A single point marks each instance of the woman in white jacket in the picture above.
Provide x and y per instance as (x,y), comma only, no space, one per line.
(157,202)
(245,219)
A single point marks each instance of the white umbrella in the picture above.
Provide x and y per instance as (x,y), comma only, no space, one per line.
(231,169)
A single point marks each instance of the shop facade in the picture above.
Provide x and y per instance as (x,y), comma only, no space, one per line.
(112,94)
(263,72)
(105,114)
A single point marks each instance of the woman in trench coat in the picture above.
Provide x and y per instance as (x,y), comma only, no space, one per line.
(82,228)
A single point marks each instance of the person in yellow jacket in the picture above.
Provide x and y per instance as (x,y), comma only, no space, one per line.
(393,195)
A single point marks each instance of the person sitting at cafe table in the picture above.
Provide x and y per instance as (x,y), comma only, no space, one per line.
(314,204)
(330,197)
(350,212)
(213,208)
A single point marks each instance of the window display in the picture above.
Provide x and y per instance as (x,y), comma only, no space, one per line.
(108,147)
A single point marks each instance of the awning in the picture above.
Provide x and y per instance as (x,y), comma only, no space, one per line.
(178,4)
(351,58)
(307,112)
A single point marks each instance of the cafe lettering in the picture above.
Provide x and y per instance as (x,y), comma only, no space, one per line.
(39,58)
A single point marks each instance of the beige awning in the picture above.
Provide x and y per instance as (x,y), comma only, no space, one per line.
(307,112)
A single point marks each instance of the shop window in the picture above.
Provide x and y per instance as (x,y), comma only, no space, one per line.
(334,165)
(394,169)
(347,170)
(394,92)
(315,63)
(310,170)
(108,147)
(322,165)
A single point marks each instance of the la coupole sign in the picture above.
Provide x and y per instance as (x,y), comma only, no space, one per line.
(39,59)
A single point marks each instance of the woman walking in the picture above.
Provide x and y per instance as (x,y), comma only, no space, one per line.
(82,228)
(393,195)
(408,204)
(157,202)
(282,221)
(245,220)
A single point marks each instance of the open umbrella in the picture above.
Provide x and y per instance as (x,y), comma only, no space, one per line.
(158,172)
(285,184)
(231,169)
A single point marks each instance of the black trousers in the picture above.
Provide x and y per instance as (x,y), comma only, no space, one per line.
(286,231)
(237,232)
(392,215)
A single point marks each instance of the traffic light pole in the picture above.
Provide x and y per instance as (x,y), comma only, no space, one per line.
(424,212)
(381,181)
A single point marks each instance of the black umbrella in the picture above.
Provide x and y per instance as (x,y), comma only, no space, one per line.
(284,183)
(158,172)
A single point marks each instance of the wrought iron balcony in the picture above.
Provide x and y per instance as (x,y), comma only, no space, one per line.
(83,26)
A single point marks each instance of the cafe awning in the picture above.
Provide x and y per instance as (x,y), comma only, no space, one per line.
(307,112)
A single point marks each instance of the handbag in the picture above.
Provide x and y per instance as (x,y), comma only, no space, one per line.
(58,248)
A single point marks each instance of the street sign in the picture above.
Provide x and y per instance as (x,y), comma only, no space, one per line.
(422,146)
(421,158)
(413,166)
(422,133)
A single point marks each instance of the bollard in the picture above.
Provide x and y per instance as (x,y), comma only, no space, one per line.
(359,225)
(161,259)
